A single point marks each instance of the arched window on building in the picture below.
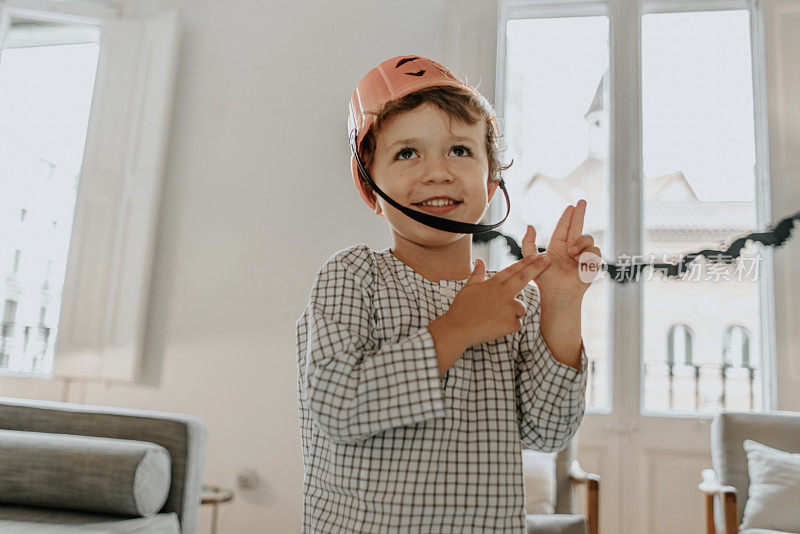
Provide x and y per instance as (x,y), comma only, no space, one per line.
(679,345)
(736,346)
(736,357)
(679,352)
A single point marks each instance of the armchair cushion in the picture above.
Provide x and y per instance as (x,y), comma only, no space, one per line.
(728,432)
(33,520)
(539,481)
(774,488)
(104,475)
(556,524)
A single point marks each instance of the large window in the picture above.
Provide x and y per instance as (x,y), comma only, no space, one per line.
(699,193)
(697,190)
(85,102)
(556,111)
(47,77)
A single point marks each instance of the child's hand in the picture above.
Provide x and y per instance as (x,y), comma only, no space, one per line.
(565,250)
(485,310)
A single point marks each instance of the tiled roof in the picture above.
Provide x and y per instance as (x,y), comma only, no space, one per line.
(700,215)
(664,209)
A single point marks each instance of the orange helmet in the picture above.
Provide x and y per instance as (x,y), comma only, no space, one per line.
(390,80)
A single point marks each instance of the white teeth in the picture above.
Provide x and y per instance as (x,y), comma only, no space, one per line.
(439,202)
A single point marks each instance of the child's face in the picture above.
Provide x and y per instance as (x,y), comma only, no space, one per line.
(442,157)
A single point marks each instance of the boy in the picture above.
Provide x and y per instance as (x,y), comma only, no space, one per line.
(419,380)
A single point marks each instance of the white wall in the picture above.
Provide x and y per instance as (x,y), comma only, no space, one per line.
(258,195)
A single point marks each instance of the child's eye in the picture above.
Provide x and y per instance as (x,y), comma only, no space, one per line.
(466,151)
(404,150)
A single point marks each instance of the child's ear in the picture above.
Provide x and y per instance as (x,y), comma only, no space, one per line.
(377,209)
(373,198)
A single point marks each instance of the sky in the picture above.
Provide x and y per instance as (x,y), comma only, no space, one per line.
(45,97)
(697,100)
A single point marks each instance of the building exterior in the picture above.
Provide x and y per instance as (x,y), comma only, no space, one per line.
(37,205)
(700,331)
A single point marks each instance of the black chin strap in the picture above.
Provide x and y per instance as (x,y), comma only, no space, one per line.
(440,223)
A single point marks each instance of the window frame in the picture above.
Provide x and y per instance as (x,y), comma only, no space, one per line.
(625,169)
(102,324)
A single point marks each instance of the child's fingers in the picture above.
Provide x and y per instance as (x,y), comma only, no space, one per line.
(589,264)
(580,244)
(519,279)
(576,224)
(590,255)
(529,242)
(478,273)
(594,251)
(577,253)
(512,269)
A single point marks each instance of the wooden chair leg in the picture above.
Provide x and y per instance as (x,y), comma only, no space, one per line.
(592,480)
(710,527)
(731,513)
(711,487)
(593,505)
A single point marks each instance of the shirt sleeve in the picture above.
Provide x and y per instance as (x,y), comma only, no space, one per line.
(354,388)
(550,395)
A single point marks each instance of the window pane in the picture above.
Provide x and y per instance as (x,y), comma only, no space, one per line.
(699,176)
(47,74)
(556,117)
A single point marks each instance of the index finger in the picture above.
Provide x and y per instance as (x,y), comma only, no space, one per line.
(509,271)
(517,276)
(516,279)
(576,224)
(562,226)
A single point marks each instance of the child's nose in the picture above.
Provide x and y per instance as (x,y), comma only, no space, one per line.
(437,169)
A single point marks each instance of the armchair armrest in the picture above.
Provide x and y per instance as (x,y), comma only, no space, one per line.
(710,486)
(577,477)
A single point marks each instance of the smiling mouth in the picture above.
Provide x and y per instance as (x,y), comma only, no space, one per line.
(438,209)
(456,203)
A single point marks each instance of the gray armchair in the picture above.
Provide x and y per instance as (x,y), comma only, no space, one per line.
(725,486)
(569,476)
(183,437)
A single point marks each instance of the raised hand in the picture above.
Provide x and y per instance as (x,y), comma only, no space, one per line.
(485,310)
(566,251)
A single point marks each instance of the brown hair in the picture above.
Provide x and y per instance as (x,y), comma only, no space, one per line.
(459,103)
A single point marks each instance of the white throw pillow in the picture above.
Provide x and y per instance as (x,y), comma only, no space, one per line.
(539,481)
(773,500)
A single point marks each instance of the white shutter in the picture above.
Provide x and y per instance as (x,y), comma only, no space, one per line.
(101,328)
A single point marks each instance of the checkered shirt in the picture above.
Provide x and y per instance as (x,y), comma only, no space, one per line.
(388,445)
